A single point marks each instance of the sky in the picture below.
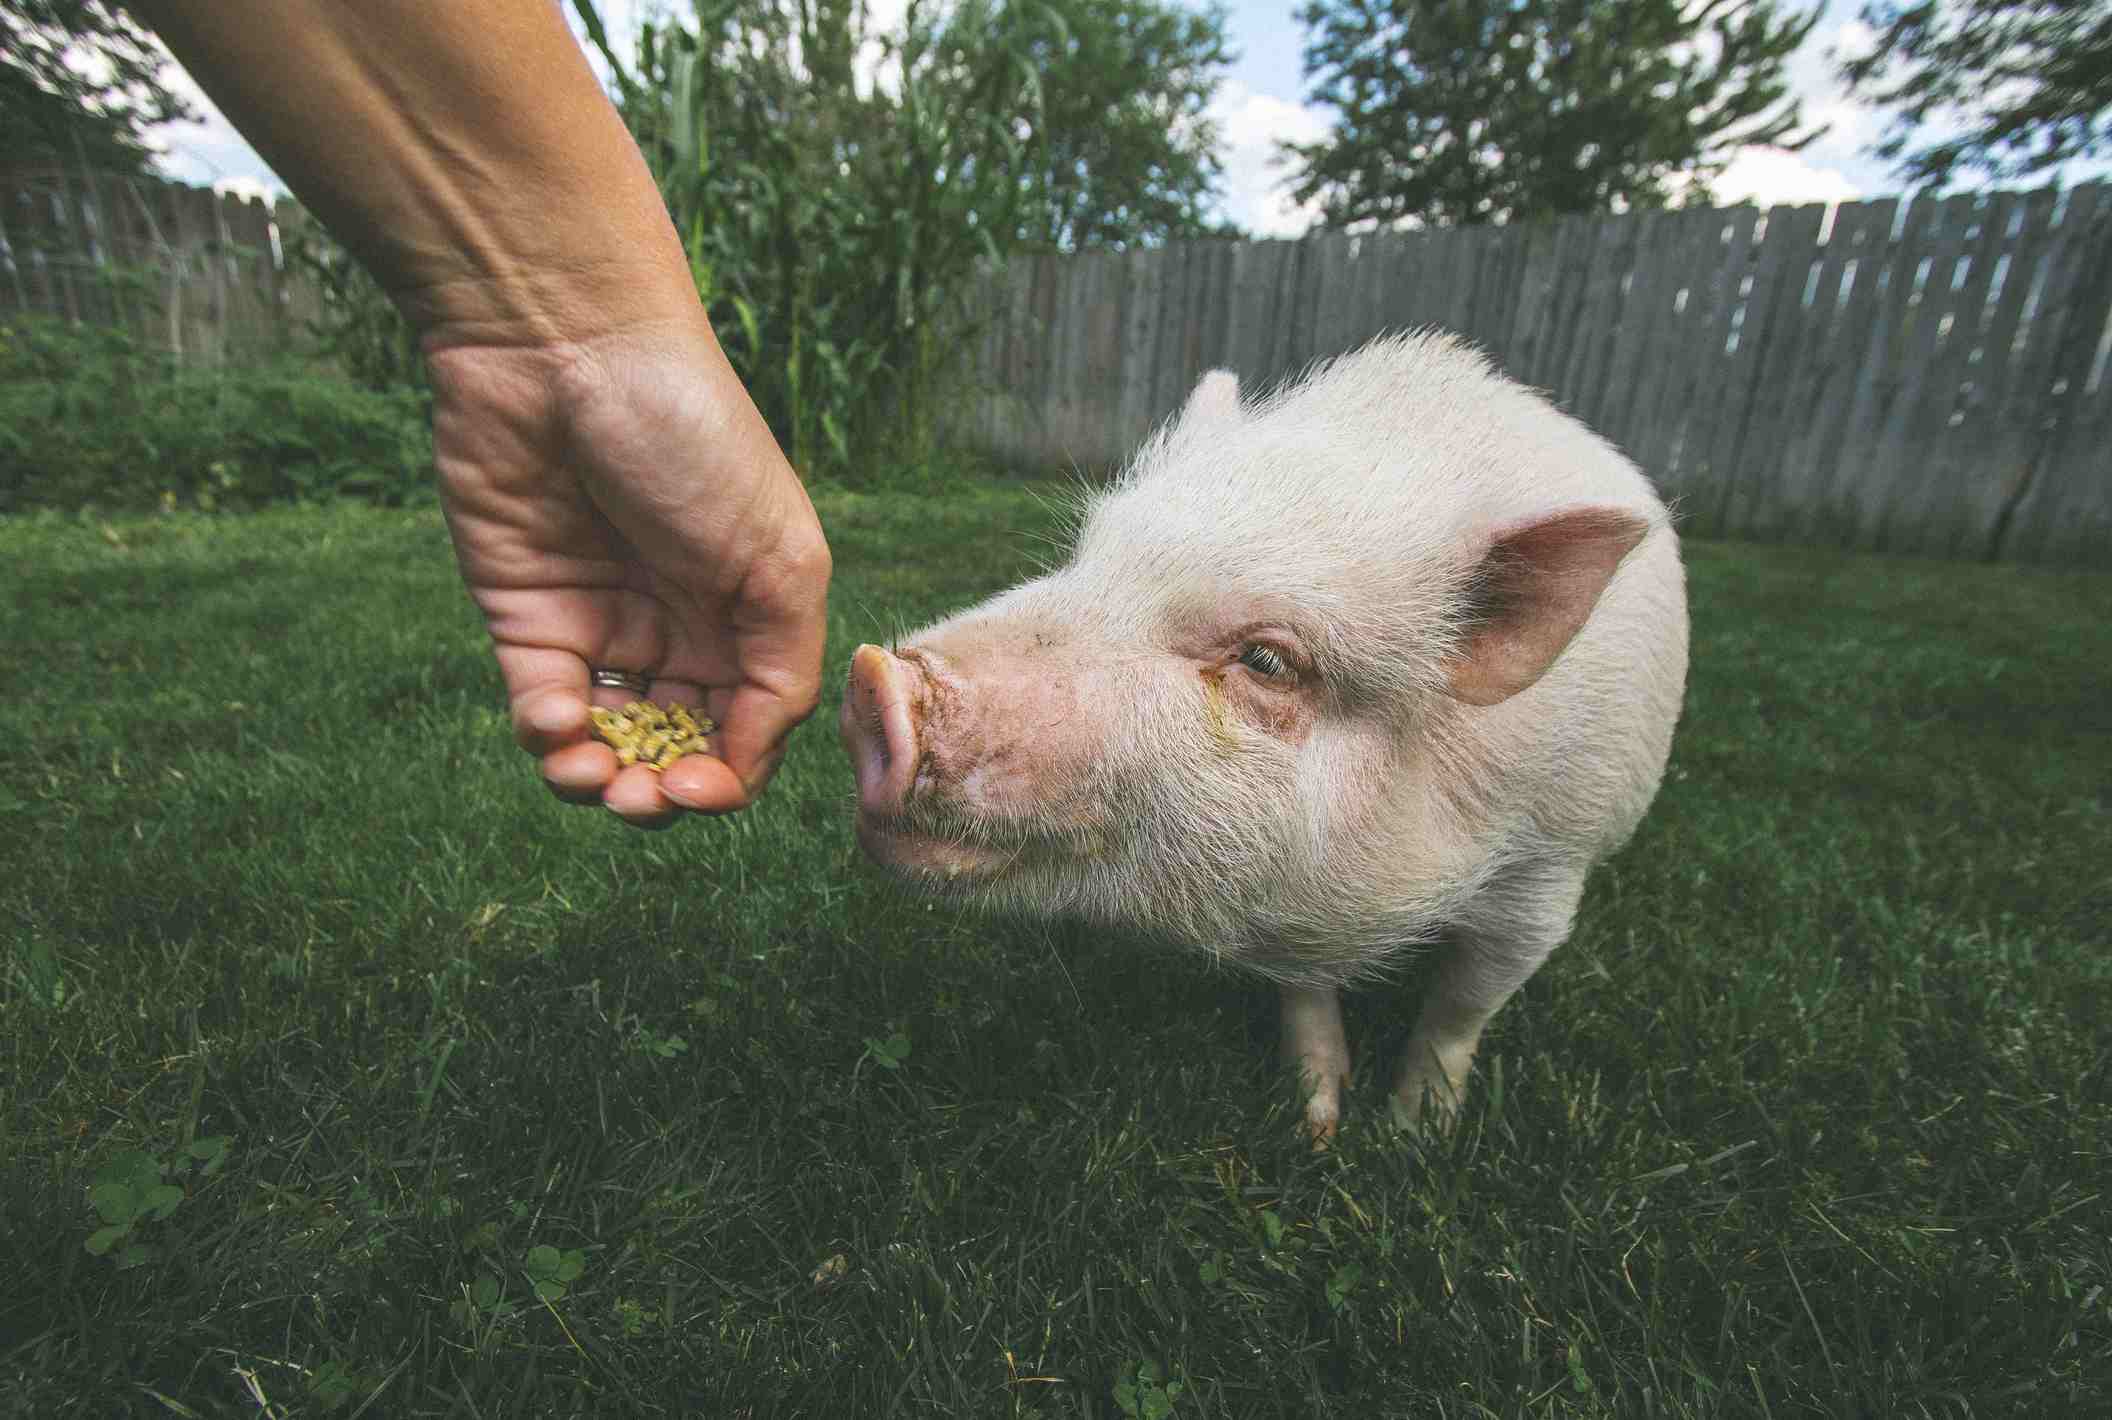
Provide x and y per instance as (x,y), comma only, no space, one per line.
(1261,103)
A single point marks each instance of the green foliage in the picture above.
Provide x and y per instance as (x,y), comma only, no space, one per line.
(90,417)
(837,223)
(131,1192)
(661,1047)
(128,1193)
(1143,1391)
(551,1271)
(2016,86)
(1464,111)
(33,970)
(80,86)
(482,1305)
(1125,154)
(887,1054)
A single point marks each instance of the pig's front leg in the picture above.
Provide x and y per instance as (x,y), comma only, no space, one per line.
(1313,1040)
(1494,949)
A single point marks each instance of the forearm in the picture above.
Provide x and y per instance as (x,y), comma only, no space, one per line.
(461,148)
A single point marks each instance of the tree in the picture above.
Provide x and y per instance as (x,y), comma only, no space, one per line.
(1463,111)
(2019,84)
(80,84)
(1124,153)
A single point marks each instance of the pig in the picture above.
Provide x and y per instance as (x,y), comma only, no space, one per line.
(1383,661)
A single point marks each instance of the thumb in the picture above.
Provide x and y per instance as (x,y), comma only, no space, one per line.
(781,620)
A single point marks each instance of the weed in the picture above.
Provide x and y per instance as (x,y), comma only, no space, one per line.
(550,1271)
(1143,1391)
(132,1191)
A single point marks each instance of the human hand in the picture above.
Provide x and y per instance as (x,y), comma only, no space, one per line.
(620,504)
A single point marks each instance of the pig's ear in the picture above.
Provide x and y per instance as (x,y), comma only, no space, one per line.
(1532,594)
(1215,402)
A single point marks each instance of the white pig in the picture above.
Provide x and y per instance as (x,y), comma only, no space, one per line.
(1385,660)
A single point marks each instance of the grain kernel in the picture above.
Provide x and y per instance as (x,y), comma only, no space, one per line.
(644,733)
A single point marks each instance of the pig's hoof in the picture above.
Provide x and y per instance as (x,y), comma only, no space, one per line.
(1320,1126)
(1425,1104)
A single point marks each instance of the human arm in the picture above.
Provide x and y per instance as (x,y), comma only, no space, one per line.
(614,498)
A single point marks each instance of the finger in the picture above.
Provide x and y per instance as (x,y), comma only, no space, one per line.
(781,664)
(752,738)
(547,690)
(634,796)
(699,782)
(781,624)
(579,773)
(589,774)
(703,784)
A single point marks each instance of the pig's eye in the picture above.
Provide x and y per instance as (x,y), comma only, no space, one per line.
(1265,663)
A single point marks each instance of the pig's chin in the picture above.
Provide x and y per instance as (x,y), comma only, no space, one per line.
(934,858)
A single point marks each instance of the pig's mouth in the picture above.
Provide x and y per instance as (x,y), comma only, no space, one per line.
(943,849)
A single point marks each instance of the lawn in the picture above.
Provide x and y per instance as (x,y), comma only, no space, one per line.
(343,1072)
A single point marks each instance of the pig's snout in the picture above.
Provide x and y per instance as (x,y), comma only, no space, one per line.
(879,728)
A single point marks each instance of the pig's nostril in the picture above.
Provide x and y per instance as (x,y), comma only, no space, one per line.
(876,734)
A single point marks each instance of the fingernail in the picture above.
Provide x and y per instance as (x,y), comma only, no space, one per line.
(674,791)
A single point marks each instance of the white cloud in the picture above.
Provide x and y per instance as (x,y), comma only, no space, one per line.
(208,152)
(1768,177)
(1250,125)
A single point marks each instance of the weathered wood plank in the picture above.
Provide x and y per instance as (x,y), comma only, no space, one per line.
(1862,233)
(1781,281)
(1953,518)
(1756,250)
(1591,293)
(2060,513)
(1878,381)
(1676,354)
(1785,469)
(1607,312)
(1532,321)
(1896,483)
(1645,316)
(1995,443)
(33,230)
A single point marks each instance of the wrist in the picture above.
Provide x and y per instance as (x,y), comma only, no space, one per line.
(526,302)
(660,378)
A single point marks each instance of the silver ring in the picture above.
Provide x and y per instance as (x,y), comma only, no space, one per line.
(634,681)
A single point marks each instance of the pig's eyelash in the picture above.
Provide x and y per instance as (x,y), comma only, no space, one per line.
(1263,661)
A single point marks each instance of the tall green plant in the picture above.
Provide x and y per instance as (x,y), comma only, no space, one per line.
(838,186)
(829,223)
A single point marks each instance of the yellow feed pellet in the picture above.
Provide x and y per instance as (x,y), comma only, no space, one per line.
(643,733)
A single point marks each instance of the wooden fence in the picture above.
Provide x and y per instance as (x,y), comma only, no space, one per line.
(198,273)
(1923,377)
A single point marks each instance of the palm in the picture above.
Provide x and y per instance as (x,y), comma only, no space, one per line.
(644,528)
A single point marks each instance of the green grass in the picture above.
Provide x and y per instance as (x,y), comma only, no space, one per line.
(1810,1118)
